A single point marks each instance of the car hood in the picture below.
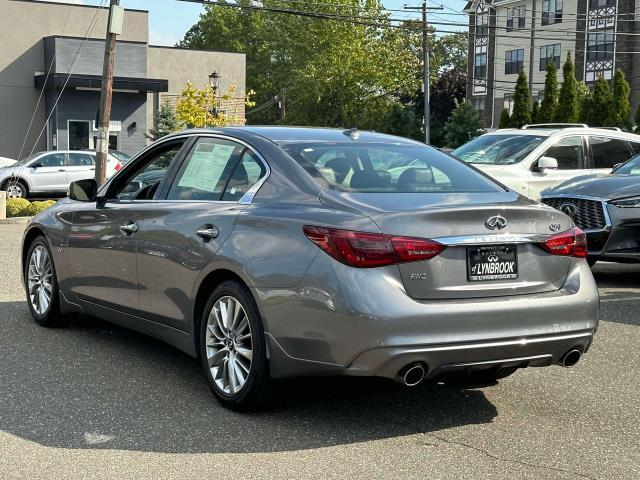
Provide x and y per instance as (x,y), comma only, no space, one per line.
(606,187)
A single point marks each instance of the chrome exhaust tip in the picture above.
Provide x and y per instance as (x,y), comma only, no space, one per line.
(413,374)
(570,358)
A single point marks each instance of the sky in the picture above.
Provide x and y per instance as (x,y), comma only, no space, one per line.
(169,20)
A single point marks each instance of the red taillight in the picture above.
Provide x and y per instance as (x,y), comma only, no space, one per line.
(572,243)
(118,166)
(360,249)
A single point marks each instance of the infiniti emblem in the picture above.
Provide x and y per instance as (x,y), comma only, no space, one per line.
(555,227)
(492,258)
(496,222)
(569,208)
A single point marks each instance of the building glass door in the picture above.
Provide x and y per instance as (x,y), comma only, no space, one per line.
(79,135)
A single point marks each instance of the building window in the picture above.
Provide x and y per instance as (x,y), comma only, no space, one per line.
(548,54)
(600,45)
(478,104)
(480,66)
(593,4)
(551,12)
(516,17)
(482,25)
(513,61)
(508,103)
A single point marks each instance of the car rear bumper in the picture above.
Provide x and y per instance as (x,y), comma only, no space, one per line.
(519,352)
(365,324)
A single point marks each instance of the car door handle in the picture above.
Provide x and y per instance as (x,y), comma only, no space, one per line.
(62,170)
(208,232)
(129,228)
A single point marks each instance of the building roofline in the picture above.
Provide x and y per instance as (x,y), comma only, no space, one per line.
(46,2)
(196,49)
(138,42)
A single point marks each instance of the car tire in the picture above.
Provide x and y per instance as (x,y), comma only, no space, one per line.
(233,349)
(15,189)
(41,284)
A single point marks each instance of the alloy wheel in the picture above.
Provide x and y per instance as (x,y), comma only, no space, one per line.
(39,280)
(14,191)
(229,345)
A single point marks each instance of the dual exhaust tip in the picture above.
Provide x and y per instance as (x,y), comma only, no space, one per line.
(413,374)
(570,358)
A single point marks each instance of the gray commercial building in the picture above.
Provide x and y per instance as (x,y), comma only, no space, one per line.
(51,57)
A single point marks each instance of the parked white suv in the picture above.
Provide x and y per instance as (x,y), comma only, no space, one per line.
(536,157)
(51,172)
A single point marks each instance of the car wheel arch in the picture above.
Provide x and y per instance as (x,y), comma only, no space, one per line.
(16,178)
(29,236)
(201,295)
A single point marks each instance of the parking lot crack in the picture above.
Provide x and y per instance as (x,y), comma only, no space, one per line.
(505,460)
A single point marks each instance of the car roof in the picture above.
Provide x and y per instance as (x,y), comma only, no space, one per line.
(545,132)
(283,135)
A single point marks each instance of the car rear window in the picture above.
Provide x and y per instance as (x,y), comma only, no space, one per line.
(376,167)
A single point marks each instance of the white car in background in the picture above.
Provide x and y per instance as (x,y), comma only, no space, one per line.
(536,157)
(5,162)
(51,172)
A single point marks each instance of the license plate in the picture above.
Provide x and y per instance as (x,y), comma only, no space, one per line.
(492,262)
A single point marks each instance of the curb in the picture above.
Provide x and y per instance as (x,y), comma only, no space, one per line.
(14,220)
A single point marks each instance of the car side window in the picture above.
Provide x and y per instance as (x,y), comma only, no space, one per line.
(607,152)
(569,152)
(635,146)
(206,170)
(52,160)
(142,179)
(246,174)
(79,160)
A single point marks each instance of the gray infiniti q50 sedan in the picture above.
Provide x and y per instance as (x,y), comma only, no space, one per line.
(277,252)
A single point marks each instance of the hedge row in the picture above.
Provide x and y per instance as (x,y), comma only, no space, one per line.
(21,207)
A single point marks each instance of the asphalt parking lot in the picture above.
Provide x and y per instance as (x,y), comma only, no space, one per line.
(91,400)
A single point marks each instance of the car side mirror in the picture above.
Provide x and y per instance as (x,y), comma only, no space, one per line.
(84,190)
(36,165)
(546,163)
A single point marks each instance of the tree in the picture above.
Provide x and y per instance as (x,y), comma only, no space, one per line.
(620,109)
(550,99)
(521,114)
(463,125)
(450,86)
(165,122)
(505,119)
(598,107)
(336,73)
(535,110)
(197,108)
(568,109)
(637,119)
(401,120)
(584,100)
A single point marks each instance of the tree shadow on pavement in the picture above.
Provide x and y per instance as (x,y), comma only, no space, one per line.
(91,384)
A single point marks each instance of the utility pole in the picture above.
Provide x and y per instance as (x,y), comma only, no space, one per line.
(425,66)
(114,28)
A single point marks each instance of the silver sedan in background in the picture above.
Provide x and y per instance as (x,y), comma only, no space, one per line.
(275,252)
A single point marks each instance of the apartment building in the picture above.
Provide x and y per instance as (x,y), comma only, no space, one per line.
(507,35)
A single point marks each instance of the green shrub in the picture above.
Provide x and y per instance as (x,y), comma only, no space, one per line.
(37,207)
(16,207)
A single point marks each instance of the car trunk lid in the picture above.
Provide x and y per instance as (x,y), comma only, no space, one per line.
(461,222)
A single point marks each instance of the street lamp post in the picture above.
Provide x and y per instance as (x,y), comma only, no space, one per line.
(214,83)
